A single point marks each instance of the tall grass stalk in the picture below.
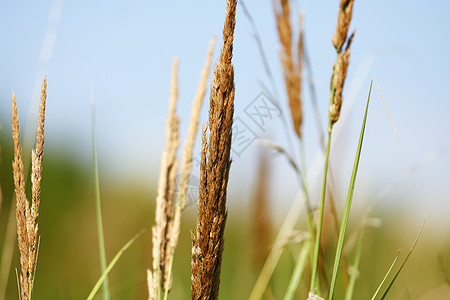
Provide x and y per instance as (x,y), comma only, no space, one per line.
(111,265)
(208,242)
(385,276)
(27,213)
(315,262)
(348,202)
(298,270)
(355,272)
(403,263)
(275,253)
(98,207)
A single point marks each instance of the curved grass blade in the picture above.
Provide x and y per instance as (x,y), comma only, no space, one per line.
(404,262)
(354,275)
(348,202)
(386,276)
(275,253)
(98,208)
(298,271)
(112,264)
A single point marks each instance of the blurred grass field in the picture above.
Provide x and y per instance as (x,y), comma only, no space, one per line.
(68,264)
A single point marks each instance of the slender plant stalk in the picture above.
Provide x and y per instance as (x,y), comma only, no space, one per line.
(273,93)
(111,265)
(298,270)
(348,202)
(26,213)
(208,242)
(292,65)
(186,162)
(158,279)
(275,253)
(354,274)
(385,276)
(339,74)
(403,263)
(314,273)
(98,207)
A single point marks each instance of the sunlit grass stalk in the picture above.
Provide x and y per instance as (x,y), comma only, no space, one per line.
(111,265)
(298,270)
(275,253)
(315,262)
(27,213)
(98,207)
(403,263)
(337,85)
(157,278)
(355,271)
(208,242)
(385,276)
(186,164)
(348,202)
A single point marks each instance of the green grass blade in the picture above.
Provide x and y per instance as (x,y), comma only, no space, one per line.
(298,270)
(276,251)
(315,262)
(348,202)
(386,276)
(403,263)
(98,208)
(112,264)
(354,274)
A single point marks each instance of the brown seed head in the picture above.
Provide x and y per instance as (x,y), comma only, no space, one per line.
(292,68)
(214,170)
(338,79)
(344,18)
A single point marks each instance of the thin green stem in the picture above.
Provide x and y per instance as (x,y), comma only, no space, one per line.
(385,276)
(348,202)
(112,264)
(298,271)
(354,274)
(403,263)
(98,208)
(315,262)
(303,182)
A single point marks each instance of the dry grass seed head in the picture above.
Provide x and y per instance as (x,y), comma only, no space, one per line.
(186,163)
(291,68)
(166,191)
(214,170)
(343,22)
(26,217)
(339,75)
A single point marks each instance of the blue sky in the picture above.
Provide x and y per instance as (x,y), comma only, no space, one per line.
(123,51)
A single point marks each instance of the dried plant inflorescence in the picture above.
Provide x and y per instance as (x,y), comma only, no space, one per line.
(338,79)
(208,241)
(168,216)
(27,226)
(158,278)
(342,61)
(344,18)
(292,67)
(186,159)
